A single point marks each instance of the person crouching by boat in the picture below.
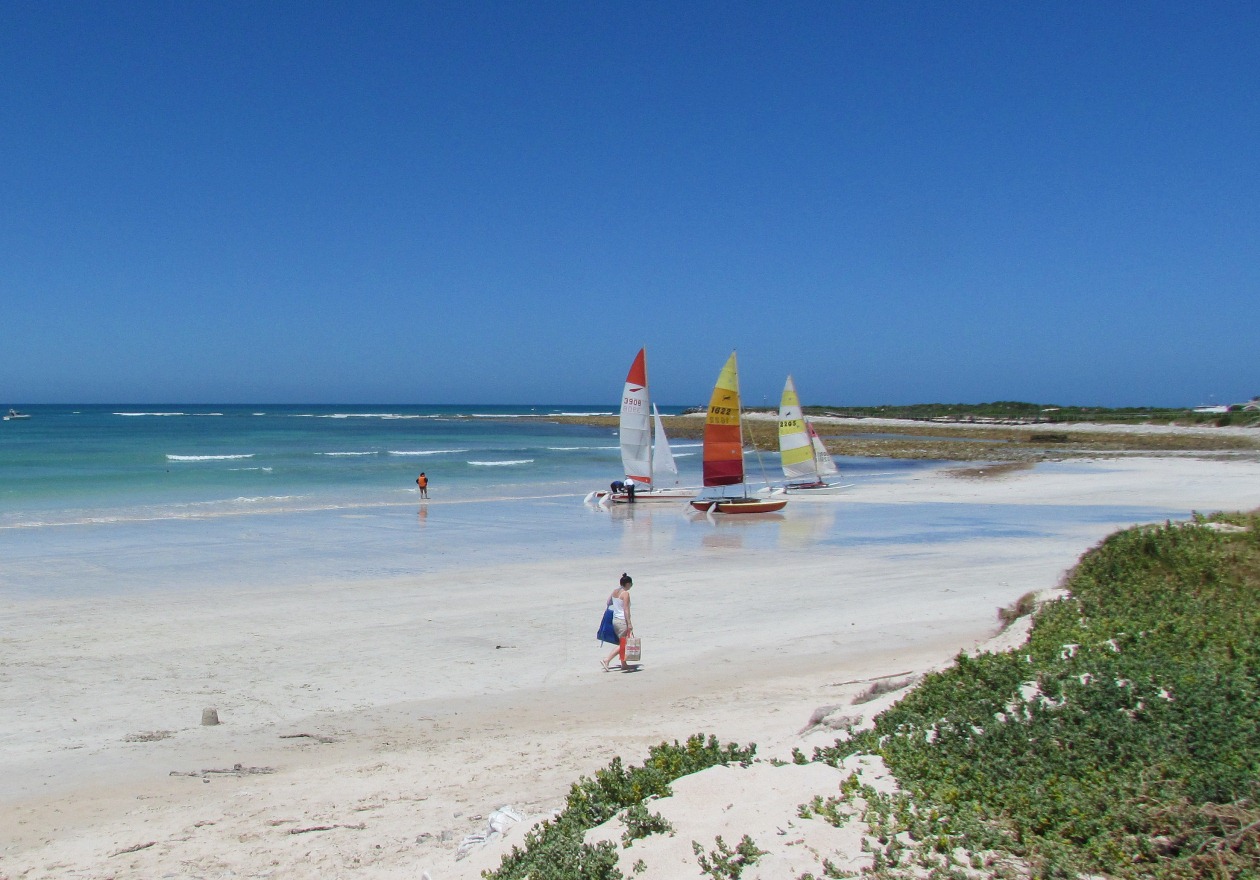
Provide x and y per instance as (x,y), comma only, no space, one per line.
(619,601)
(616,486)
(630,484)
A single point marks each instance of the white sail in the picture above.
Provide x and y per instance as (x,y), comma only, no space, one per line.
(822,458)
(663,466)
(636,424)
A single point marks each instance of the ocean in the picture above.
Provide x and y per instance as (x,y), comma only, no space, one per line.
(96,464)
(119,500)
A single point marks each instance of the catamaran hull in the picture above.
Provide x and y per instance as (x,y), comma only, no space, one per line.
(641,495)
(824,489)
(829,489)
(654,495)
(739,505)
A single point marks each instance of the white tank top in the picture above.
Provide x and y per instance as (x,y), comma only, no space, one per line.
(619,608)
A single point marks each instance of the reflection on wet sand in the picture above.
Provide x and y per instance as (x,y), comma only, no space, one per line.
(727,531)
(807,527)
(637,533)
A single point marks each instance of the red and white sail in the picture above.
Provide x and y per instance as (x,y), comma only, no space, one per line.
(636,423)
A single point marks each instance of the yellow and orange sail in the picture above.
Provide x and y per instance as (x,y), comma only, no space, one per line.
(723,433)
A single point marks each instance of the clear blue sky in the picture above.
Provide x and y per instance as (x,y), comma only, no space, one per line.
(415,202)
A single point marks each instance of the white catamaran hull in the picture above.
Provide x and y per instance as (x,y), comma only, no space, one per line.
(825,489)
(653,495)
(648,495)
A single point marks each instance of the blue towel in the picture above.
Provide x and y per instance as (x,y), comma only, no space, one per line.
(606,632)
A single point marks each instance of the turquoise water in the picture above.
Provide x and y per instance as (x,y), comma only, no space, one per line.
(112,463)
(125,499)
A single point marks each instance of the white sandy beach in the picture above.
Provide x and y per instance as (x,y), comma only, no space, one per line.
(375,727)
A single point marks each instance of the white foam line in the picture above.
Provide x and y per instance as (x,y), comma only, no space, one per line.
(502,463)
(426,451)
(345,453)
(170,457)
(372,416)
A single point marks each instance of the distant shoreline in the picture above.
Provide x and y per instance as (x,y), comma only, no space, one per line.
(980,440)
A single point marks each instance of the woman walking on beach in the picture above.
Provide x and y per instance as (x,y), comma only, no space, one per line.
(619,601)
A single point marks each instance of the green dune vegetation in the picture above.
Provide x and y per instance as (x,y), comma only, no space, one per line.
(1122,740)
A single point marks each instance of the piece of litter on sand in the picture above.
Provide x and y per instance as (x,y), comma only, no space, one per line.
(136,848)
(499,821)
(361,826)
(504,818)
(319,738)
(236,770)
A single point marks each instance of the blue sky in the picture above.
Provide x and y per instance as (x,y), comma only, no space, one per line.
(501,202)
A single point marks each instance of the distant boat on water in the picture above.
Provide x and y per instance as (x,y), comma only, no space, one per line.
(13,415)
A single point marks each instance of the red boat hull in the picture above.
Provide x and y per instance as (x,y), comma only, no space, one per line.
(740,505)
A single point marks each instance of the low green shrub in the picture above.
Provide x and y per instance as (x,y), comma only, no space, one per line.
(724,863)
(1123,740)
(640,824)
(555,849)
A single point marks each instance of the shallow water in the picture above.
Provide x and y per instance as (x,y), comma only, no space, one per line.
(115,500)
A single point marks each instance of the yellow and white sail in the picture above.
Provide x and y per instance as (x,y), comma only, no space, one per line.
(804,457)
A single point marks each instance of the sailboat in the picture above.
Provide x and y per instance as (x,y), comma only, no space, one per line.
(645,453)
(724,450)
(806,462)
(13,415)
